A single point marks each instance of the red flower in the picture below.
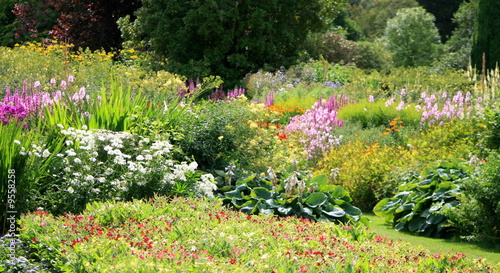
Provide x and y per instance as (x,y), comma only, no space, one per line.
(282,136)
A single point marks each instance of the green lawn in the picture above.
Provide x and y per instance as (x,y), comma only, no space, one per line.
(381,228)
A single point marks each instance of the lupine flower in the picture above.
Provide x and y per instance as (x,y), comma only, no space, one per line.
(371,98)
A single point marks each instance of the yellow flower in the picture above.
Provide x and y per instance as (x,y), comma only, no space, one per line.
(221,137)
(133,57)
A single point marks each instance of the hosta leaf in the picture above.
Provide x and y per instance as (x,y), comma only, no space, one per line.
(263,208)
(272,203)
(249,207)
(339,193)
(238,203)
(416,224)
(382,208)
(335,212)
(427,184)
(319,180)
(316,199)
(234,194)
(285,211)
(261,193)
(307,211)
(443,174)
(400,226)
(351,210)
(326,188)
(408,217)
(246,180)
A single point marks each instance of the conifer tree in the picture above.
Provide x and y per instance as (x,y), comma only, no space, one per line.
(486,35)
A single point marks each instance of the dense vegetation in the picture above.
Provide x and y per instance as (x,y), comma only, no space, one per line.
(95,141)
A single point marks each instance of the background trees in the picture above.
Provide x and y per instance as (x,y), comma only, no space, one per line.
(486,36)
(412,37)
(6,23)
(86,24)
(227,37)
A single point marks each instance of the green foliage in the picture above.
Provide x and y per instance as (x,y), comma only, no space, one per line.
(488,130)
(415,80)
(458,47)
(365,170)
(419,205)
(485,40)
(478,215)
(227,38)
(454,139)
(443,11)
(7,23)
(304,78)
(215,134)
(333,47)
(293,194)
(413,38)
(373,55)
(372,16)
(378,113)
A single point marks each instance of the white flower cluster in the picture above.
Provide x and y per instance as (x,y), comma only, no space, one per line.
(206,186)
(105,163)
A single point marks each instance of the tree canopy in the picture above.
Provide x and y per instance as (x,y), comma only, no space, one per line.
(230,38)
(486,35)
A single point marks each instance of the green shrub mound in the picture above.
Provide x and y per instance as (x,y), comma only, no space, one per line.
(420,204)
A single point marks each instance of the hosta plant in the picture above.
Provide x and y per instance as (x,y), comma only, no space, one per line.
(292,193)
(419,206)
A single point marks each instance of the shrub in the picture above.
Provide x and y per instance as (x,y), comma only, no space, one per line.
(216,133)
(420,204)
(364,170)
(412,36)
(478,216)
(334,47)
(372,55)
(99,165)
(487,126)
(379,113)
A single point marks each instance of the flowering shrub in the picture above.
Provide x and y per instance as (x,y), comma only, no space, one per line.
(459,106)
(103,165)
(317,124)
(365,170)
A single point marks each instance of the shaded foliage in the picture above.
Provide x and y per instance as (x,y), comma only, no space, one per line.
(229,38)
(82,23)
(486,38)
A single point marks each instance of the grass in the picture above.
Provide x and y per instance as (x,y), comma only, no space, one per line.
(474,251)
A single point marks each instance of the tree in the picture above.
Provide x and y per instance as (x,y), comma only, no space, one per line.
(486,38)
(86,24)
(7,22)
(459,45)
(412,37)
(372,16)
(229,38)
(443,10)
